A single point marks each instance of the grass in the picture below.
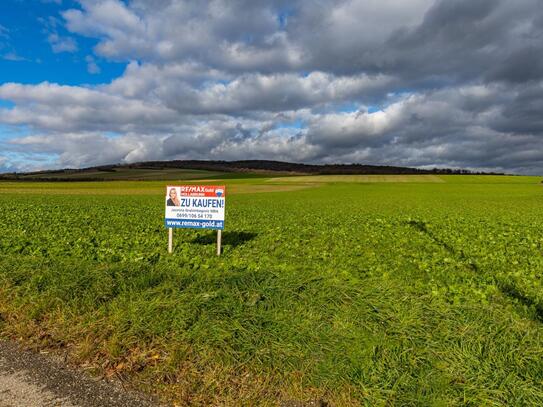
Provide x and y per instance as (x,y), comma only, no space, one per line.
(366,293)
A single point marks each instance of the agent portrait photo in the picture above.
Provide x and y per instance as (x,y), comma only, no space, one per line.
(173,199)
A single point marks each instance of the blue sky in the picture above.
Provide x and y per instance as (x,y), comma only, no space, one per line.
(27,55)
(421,83)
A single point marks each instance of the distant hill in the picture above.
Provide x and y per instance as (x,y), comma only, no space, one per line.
(195,169)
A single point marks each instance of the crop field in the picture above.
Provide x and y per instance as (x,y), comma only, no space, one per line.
(342,291)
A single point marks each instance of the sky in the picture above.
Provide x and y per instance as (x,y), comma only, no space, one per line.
(419,83)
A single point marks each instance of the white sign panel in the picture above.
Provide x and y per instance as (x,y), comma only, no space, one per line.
(195,206)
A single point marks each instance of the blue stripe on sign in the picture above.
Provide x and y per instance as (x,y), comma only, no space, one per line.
(194,224)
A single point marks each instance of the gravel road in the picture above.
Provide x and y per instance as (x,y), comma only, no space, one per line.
(28,379)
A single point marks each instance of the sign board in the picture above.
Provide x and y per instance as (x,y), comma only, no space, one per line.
(195,206)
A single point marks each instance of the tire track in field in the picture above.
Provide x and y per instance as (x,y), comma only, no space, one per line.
(506,288)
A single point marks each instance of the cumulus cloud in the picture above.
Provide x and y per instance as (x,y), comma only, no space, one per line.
(420,83)
(273,93)
(77,149)
(59,43)
(238,34)
(58,108)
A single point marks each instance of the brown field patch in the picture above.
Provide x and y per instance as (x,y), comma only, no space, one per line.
(94,188)
(324,179)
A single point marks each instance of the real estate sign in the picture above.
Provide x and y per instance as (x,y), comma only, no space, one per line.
(195,206)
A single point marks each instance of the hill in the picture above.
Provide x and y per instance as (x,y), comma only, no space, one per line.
(198,169)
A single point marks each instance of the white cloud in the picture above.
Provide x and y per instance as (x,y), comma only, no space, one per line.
(52,107)
(13,56)
(92,66)
(272,93)
(62,44)
(88,148)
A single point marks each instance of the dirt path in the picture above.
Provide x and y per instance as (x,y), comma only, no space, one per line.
(28,379)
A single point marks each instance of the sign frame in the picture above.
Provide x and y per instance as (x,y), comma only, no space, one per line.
(195,207)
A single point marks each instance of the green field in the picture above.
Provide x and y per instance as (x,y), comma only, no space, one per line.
(355,290)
